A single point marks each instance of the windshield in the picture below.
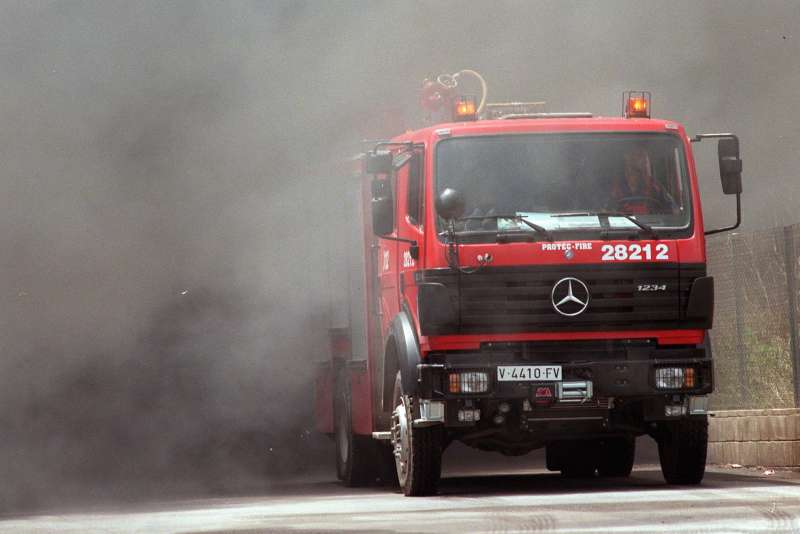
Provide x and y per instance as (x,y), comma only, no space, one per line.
(567,181)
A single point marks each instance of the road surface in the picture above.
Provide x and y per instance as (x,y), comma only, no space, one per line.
(531,500)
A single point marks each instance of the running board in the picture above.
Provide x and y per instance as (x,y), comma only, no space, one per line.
(382,435)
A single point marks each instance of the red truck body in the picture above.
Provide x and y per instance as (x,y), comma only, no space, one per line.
(424,319)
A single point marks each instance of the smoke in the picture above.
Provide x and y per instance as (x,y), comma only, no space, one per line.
(170,216)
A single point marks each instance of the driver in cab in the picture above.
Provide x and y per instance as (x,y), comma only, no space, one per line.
(637,192)
(485,205)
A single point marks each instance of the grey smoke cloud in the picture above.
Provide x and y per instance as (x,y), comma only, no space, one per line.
(168,219)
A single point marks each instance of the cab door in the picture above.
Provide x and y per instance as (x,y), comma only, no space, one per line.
(387,261)
(410,210)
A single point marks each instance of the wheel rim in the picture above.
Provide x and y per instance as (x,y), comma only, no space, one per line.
(401,440)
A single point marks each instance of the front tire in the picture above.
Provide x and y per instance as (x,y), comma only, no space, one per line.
(682,449)
(417,451)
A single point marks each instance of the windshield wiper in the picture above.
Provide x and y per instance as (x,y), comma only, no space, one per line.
(644,226)
(538,229)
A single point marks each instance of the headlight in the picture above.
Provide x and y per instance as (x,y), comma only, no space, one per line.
(675,377)
(468,382)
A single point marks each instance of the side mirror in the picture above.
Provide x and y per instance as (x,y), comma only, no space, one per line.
(730,172)
(730,165)
(382,206)
(378,162)
(450,204)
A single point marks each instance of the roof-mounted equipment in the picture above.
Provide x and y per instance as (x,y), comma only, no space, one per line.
(465,109)
(505,110)
(564,115)
(636,104)
(440,96)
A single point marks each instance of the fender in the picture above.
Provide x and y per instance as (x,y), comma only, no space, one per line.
(706,344)
(408,356)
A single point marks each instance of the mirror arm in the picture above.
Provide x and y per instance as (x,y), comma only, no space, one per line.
(452,246)
(413,249)
(699,137)
(696,139)
(407,144)
(738,218)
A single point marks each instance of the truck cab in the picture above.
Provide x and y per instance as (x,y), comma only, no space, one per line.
(530,280)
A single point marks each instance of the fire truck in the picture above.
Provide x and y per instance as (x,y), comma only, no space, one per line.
(526,279)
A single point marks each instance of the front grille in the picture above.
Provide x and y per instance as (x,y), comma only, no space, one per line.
(518,299)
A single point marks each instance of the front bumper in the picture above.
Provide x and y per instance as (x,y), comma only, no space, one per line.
(614,378)
(620,378)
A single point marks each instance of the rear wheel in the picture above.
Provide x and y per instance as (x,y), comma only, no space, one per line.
(417,451)
(578,469)
(682,449)
(386,469)
(575,459)
(616,457)
(354,453)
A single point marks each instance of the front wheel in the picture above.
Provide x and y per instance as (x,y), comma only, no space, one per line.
(417,451)
(682,449)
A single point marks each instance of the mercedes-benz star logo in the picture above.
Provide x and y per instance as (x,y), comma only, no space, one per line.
(570,296)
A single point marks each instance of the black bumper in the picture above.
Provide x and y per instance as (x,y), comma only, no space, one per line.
(610,379)
(621,375)
(627,373)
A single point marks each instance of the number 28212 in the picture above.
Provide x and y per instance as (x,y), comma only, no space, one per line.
(634,252)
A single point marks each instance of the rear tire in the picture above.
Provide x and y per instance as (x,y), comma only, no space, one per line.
(616,456)
(575,459)
(387,470)
(578,469)
(417,451)
(354,453)
(682,449)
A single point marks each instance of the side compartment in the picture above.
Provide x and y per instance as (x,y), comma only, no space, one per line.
(361,397)
(324,386)
(338,372)
(325,378)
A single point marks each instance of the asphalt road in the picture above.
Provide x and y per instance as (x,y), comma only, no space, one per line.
(512,499)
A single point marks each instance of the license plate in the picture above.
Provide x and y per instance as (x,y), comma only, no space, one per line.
(529,373)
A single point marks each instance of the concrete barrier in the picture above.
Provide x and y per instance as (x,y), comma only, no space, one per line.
(769,438)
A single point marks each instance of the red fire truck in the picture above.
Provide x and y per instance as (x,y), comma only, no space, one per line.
(526,280)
